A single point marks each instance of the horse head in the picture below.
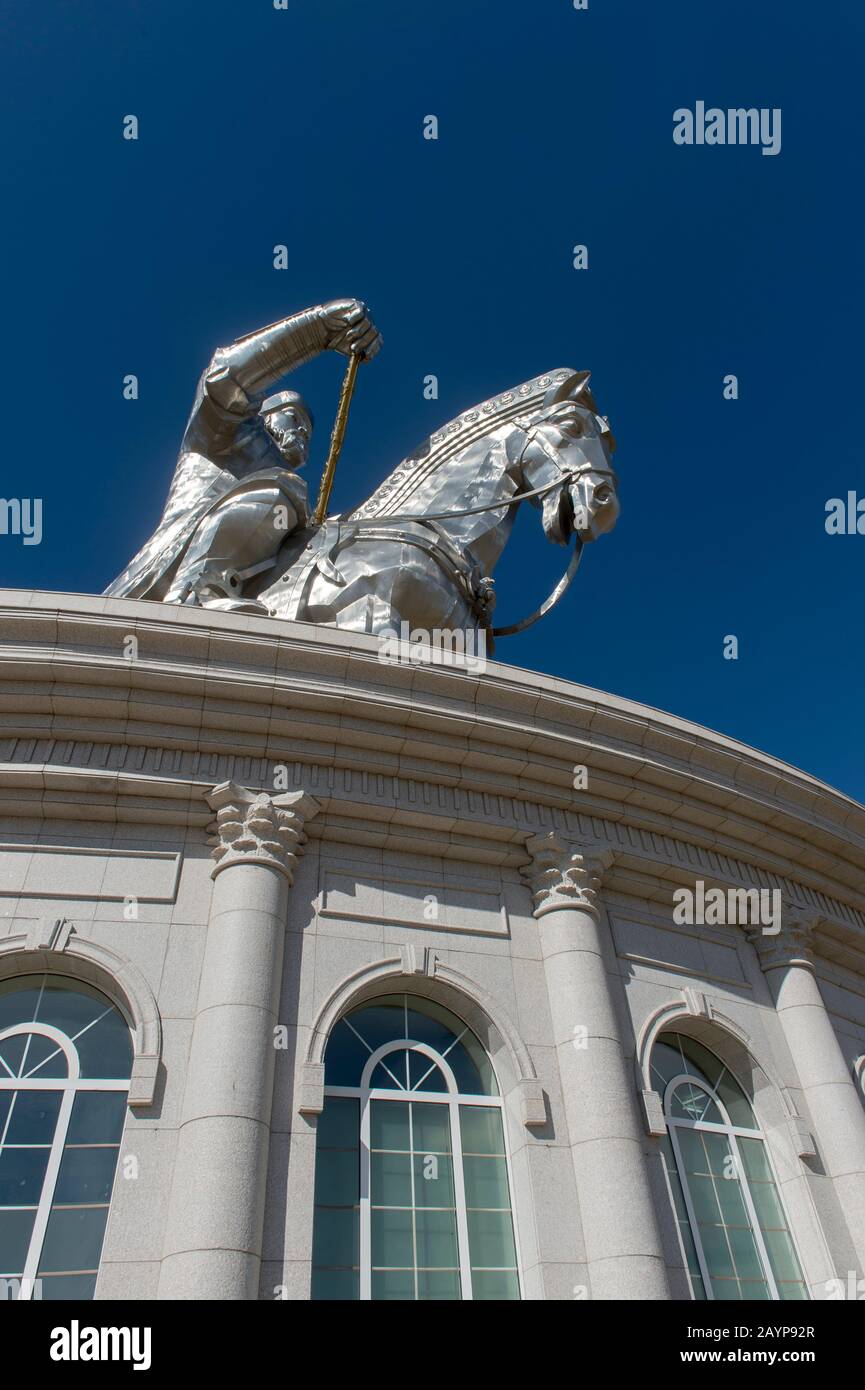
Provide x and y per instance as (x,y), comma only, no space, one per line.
(566,440)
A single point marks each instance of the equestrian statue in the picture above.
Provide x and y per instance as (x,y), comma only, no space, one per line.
(238,533)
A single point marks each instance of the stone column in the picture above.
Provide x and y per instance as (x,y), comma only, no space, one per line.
(212,1247)
(620,1227)
(826,1080)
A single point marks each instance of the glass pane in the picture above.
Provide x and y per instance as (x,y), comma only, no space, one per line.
(736,1102)
(19,998)
(745,1256)
(105,1050)
(337,1177)
(86,1175)
(722,1157)
(67,1006)
(716,1250)
(76,1287)
(430,1023)
(390,1179)
(392,1244)
(472,1068)
(782,1256)
(5,1106)
(379,1023)
(388,1125)
(339,1284)
(33,1117)
(438,1031)
(12,1054)
(481,1129)
(433,1181)
(756,1290)
(768,1205)
(699,1060)
(693,1103)
(693,1153)
(15,1229)
(666,1063)
(438,1285)
(726,1290)
(431,1129)
(418,1020)
(391,1074)
(338,1123)
(754,1158)
(733,1210)
(704,1197)
(792,1292)
(42,1058)
(486,1181)
(392,1285)
(495,1284)
(73,1240)
(90,1020)
(335,1240)
(22,1172)
(345,1057)
(97,1117)
(424,1074)
(491,1239)
(436,1233)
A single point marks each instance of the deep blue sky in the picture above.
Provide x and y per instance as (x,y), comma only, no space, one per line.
(304,127)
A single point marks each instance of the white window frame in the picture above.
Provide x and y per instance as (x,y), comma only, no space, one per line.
(453,1099)
(732,1133)
(71,1085)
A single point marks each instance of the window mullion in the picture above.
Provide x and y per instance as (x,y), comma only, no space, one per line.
(46,1197)
(460,1199)
(692,1215)
(365,1214)
(723,1221)
(413,1193)
(754,1219)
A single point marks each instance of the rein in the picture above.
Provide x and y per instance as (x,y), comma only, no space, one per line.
(550,601)
(470,511)
(561,587)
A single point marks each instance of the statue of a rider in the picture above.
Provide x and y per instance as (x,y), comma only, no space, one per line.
(236,494)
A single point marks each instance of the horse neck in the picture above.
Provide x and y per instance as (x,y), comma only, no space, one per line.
(486,473)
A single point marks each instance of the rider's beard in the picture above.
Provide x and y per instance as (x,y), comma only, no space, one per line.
(292,457)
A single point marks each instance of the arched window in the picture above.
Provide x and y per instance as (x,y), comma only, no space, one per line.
(731,1221)
(65,1062)
(412,1191)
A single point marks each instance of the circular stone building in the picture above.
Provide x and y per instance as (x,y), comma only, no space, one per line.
(323,976)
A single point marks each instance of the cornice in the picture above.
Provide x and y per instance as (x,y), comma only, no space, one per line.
(393,812)
(211,699)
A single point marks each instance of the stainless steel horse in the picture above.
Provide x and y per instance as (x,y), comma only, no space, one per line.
(423,549)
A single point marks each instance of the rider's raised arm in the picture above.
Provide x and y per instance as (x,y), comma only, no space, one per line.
(239,377)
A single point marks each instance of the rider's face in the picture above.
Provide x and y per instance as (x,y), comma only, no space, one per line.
(289,430)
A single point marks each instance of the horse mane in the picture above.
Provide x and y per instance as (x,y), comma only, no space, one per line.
(522,405)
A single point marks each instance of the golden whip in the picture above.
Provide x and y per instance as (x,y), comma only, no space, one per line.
(336,438)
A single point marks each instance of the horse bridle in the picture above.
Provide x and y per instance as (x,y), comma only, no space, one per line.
(567,475)
(345,528)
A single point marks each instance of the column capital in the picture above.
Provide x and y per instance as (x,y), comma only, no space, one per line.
(257,828)
(792,944)
(564,873)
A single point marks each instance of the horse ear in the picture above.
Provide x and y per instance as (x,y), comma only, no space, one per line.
(574,387)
